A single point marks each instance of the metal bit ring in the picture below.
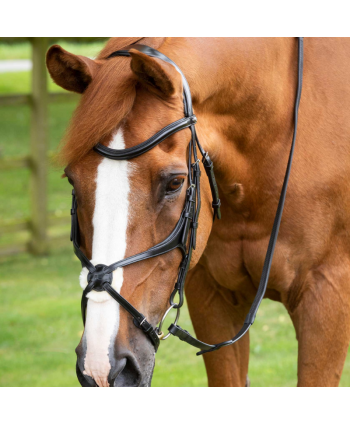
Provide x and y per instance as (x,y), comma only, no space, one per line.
(159,329)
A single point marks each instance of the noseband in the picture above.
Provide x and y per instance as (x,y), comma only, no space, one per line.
(183,236)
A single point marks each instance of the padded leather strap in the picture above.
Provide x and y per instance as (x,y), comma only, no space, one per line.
(140,149)
(176,239)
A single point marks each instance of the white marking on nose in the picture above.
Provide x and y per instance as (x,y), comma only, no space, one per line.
(110,222)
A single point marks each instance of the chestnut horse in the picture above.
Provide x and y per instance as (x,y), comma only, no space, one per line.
(243,95)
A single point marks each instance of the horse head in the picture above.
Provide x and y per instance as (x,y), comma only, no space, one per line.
(125,207)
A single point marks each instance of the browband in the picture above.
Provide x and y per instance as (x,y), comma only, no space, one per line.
(140,149)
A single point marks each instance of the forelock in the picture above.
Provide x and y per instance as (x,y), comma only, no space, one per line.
(105,103)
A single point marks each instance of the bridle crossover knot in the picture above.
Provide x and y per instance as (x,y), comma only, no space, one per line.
(98,278)
(183,236)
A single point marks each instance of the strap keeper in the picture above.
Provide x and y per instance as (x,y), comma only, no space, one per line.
(138,322)
(217,204)
(196,169)
(73,210)
(217,210)
(207,162)
(183,264)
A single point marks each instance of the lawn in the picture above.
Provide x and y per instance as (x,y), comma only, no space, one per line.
(40,326)
(40,323)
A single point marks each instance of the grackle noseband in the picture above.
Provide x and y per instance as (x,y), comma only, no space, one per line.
(183,236)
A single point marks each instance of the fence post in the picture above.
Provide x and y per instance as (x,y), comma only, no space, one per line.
(39,148)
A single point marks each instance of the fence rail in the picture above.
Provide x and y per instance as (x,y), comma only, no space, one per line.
(26,99)
(41,220)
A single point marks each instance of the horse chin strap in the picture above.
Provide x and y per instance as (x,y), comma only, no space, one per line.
(183,236)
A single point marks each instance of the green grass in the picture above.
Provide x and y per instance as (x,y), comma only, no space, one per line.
(40,326)
(40,323)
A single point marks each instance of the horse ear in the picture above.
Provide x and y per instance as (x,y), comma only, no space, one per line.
(157,75)
(69,71)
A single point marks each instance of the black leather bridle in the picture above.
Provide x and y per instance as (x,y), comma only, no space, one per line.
(183,236)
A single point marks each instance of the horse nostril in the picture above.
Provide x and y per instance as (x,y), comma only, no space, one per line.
(130,375)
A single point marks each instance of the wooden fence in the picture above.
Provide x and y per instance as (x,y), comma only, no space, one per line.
(37,160)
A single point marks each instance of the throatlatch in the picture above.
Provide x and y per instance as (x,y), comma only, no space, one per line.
(183,236)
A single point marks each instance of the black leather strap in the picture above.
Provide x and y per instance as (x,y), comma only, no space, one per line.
(74,236)
(140,149)
(209,169)
(185,336)
(276,225)
(99,282)
(249,320)
(139,319)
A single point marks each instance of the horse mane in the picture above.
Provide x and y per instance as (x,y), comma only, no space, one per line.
(104,104)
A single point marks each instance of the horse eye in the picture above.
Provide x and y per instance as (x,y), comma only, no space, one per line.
(175,184)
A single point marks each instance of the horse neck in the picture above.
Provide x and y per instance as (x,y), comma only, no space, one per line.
(243,94)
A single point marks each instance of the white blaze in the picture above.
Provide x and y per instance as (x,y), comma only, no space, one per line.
(109,244)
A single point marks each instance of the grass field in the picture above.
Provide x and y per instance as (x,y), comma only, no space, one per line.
(40,323)
(41,326)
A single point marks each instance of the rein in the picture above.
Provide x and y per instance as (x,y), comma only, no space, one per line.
(183,236)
